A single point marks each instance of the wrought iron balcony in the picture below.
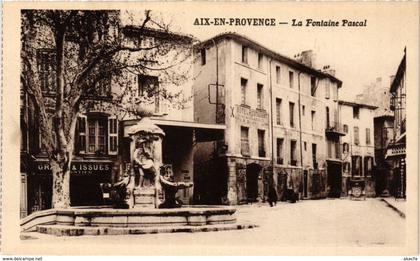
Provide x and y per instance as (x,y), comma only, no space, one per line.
(334,128)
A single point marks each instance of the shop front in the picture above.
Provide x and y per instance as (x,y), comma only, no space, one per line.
(86,180)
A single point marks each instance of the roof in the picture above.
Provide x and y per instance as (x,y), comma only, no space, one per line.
(400,74)
(355,104)
(259,47)
(135,31)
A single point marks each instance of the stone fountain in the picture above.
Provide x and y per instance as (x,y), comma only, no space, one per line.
(147,200)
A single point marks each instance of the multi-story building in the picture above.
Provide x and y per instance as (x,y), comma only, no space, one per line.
(358,152)
(383,133)
(102,146)
(378,94)
(397,147)
(281,118)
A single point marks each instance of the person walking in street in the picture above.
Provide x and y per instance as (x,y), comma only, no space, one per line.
(272,196)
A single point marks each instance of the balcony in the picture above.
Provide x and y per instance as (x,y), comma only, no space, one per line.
(334,129)
(395,150)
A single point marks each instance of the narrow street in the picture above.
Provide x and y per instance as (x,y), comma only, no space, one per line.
(329,222)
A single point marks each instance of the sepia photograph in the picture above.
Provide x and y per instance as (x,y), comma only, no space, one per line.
(206,128)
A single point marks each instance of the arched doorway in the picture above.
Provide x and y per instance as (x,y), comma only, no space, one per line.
(252,173)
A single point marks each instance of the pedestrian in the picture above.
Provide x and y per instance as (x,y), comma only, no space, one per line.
(272,196)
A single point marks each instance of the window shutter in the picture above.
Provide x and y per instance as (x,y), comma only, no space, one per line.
(112,135)
(81,139)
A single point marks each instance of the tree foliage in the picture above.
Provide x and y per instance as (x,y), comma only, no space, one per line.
(93,61)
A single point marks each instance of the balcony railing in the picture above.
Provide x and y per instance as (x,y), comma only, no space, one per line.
(293,162)
(279,161)
(335,128)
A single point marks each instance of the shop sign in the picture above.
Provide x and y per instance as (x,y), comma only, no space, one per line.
(79,168)
(252,117)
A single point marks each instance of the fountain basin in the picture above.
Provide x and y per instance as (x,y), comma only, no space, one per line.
(101,221)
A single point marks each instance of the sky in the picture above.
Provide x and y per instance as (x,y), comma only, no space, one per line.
(358,54)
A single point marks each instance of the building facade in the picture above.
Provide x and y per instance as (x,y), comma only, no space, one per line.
(281,117)
(102,151)
(396,151)
(358,151)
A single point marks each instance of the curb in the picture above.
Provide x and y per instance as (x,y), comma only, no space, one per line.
(60,230)
(402,214)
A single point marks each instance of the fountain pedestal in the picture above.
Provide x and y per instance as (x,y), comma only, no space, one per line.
(144,197)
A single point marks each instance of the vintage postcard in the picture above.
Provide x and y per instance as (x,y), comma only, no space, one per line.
(210,128)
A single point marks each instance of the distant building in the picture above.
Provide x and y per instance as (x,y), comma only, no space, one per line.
(397,147)
(358,144)
(282,123)
(384,134)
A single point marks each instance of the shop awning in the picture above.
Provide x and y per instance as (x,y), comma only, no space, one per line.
(203,131)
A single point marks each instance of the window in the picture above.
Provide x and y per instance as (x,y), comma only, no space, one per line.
(260,100)
(356,164)
(261,147)
(304,145)
(291,114)
(345,147)
(293,160)
(355,112)
(96,136)
(327,119)
(356,135)
(46,67)
(244,54)
(368,162)
(367,136)
(149,87)
(278,111)
(327,89)
(329,148)
(314,162)
(291,80)
(278,76)
(346,128)
(313,120)
(337,150)
(260,60)
(280,151)
(244,83)
(245,141)
(103,87)
(346,167)
(313,86)
(303,110)
(203,56)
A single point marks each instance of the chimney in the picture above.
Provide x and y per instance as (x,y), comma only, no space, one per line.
(327,69)
(307,57)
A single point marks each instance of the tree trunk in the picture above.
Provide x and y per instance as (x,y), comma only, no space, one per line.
(61,185)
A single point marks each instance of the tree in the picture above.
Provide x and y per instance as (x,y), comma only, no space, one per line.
(82,53)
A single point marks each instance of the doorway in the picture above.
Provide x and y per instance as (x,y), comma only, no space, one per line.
(252,174)
(305,183)
(334,179)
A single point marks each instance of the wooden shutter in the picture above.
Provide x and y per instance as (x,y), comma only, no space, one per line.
(81,139)
(112,135)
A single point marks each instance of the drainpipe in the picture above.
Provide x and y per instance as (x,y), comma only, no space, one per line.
(217,79)
(300,123)
(272,115)
(300,127)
